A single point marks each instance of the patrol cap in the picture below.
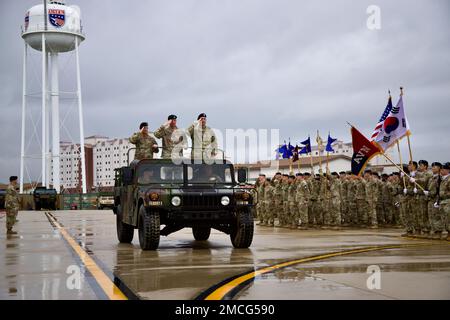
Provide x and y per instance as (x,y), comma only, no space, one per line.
(278,173)
(368,171)
(342,172)
(424,162)
(172,117)
(143,124)
(285,175)
(201,115)
(335,174)
(384,175)
(12,178)
(446,166)
(436,164)
(292,177)
(396,173)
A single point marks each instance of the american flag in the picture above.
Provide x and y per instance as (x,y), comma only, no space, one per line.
(380,123)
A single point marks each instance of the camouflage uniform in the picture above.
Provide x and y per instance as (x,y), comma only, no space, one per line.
(325,197)
(444,201)
(283,217)
(204,141)
(302,199)
(278,197)
(316,205)
(361,202)
(381,214)
(260,201)
(269,204)
(334,208)
(422,179)
(352,215)
(166,133)
(437,219)
(386,197)
(397,193)
(144,145)
(344,200)
(310,182)
(372,200)
(292,205)
(410,208)
(11,206)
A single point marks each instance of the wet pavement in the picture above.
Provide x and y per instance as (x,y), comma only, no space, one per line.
(39,263)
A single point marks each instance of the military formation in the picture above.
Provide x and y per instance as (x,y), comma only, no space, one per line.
(419,200)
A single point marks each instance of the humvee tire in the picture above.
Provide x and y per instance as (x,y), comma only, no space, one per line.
(149,229)
(201,233)
(37,207)
(125,232)
(242,232)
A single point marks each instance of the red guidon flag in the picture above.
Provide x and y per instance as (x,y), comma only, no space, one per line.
(363,151)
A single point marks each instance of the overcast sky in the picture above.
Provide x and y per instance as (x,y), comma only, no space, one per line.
(294,65)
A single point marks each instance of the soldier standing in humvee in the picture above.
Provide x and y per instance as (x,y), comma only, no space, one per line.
(204,141)
(170,138)
(146,145)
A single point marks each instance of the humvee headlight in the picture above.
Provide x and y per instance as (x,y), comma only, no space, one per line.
(154,196)
(176,201)
(225,201)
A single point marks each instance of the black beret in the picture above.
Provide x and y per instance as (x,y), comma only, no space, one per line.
(368,171)
(413,163)
(385,175)
(277,173)
(446,166)
(291,177)
(342,172)
(424,162)
(299,174)
(307,174)
(375,174)
(143,124)
(334,174)
(201,115)
(172,117)
(285,175)
(396,173)
(12,178)
(436,164)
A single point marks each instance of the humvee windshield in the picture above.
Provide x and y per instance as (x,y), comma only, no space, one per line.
(160,173)
(213,173)
(196,173)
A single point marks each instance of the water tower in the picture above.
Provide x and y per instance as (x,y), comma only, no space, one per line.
(52,28)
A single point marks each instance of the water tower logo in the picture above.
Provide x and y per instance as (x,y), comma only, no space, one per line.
(27,20)
(56,17)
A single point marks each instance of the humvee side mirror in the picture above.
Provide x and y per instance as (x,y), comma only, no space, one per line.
(242,175)
(127,175)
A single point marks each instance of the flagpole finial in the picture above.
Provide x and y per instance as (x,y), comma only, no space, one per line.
(389,91)
(401,91)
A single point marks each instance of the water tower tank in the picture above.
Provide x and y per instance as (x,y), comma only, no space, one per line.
(63,26)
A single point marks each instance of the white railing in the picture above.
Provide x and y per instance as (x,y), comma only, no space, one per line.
(41,27)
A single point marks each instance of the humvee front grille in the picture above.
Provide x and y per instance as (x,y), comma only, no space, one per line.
(200,201)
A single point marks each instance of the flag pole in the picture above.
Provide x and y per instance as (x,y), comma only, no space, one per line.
(290,165)
(312,166)
(407,136)
(401,169)
(401,162)
(319,151)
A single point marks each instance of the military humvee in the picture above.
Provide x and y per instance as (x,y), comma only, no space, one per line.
(151,193)
(44,198)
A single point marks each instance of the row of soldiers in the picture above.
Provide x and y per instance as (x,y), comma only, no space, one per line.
(419,201)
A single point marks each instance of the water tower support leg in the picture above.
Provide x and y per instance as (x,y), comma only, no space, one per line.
(24,102)
(80,114)
(44,108)
(55,121)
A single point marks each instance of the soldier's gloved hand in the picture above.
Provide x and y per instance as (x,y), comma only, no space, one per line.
(436,205)
(402,174)
(412,180)
(426,192)
(415,190)
(405,191)
(397,204)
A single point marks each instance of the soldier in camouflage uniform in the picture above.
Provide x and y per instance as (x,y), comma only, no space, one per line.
(437,220)
(204,141)
(292,205)
(361,202)
(316,207)
(283,215)
(170,138)
(334,207)
(259,187)
(325,196)
(145,144)
(302,198)
(444,196)
(309,180)
(11,205)
(397,194)
(422,178)
(414,213)
(269,203)
(371,198)
(381,218)
(344,197)
(351,200)
(385,212)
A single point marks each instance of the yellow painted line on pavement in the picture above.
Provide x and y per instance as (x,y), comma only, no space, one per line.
(110,289)
(222,291)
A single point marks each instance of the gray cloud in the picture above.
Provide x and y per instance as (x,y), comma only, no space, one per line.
(297,66)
